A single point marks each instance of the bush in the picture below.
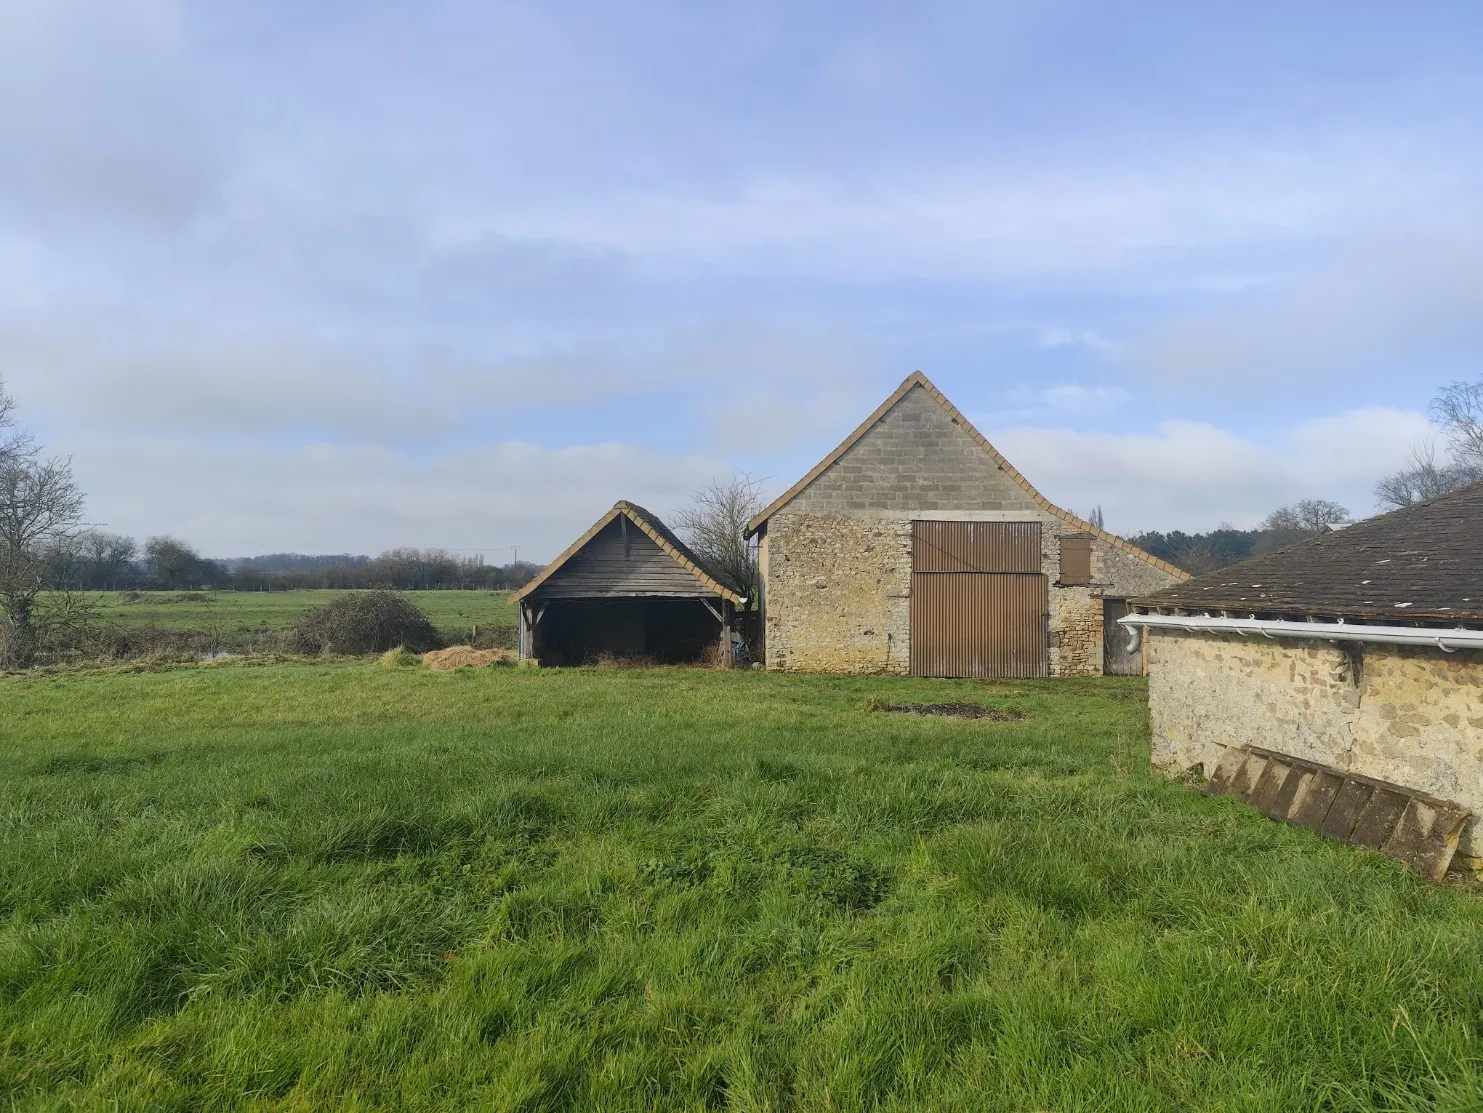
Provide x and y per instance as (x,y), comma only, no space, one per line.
(364,622)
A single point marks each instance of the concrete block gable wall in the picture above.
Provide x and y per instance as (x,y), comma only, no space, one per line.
(836,559)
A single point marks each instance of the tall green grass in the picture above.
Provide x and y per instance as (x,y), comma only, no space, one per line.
(337,886)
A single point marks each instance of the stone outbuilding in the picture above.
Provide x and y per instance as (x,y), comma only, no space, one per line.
(627,588)
(1337,684)
(916,548)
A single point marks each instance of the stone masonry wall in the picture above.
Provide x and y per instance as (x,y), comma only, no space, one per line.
(1410,716)
(837,594)
(1076,632)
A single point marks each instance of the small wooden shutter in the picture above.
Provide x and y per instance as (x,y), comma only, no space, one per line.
(1076,561)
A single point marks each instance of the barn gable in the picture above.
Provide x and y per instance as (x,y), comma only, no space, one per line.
(627,588)
(627,552)
(918,454)
(915,457)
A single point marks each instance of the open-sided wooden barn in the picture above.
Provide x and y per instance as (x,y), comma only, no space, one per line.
(628,587)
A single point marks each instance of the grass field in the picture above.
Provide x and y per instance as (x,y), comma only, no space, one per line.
(338,886)
(247,611)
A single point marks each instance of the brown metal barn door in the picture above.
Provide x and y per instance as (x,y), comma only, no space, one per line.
(975,546)
(978,600)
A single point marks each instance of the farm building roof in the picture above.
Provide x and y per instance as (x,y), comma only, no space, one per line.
(1423,562)
(709,578)
(917,379)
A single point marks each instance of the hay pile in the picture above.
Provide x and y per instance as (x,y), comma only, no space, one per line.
(467,657)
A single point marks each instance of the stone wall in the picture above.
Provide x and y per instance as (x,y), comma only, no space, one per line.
(1076,631)
(1413,717)
(837,593)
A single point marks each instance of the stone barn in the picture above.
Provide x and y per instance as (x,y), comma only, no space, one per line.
(1337,684)
(916,548)
(628,587)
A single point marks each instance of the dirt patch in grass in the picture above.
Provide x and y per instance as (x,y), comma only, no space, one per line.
(951,710)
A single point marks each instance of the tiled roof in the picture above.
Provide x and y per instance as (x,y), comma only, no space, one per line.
(1423,562)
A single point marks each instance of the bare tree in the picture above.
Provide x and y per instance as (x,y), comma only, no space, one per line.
(1197,557)
(1458,409)
(715,526)
(1306,516)
(40,514)
(1424,477)
(104,558)
(1095,517)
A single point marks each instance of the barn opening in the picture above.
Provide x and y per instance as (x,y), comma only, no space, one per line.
(628,588)
(668,631)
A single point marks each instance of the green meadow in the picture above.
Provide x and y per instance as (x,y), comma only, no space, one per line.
(243,612)
(334,885)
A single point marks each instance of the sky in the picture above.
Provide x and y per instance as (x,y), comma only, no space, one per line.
(326,276)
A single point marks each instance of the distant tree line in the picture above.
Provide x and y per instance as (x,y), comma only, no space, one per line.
(1205,552)
(101,561)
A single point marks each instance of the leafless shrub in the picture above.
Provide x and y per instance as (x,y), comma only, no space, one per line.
(364,622)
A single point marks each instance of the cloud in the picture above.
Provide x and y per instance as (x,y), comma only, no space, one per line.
(1193,475)
(98,112)
(247,499)
(748,385)
(213,384)
(1065,400)
(1416,299)
(1068,338)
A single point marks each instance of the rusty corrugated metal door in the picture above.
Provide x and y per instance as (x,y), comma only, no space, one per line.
(975,547)
(979,605)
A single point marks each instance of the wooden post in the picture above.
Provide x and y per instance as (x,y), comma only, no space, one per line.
(525,646)
(727,660)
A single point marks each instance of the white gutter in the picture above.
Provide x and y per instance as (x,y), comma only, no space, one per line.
(1448,641)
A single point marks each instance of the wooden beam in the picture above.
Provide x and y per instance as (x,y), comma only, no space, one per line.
(726,656)
(525,646)
(706,603)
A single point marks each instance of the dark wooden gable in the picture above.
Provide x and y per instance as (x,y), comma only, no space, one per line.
(621,560)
